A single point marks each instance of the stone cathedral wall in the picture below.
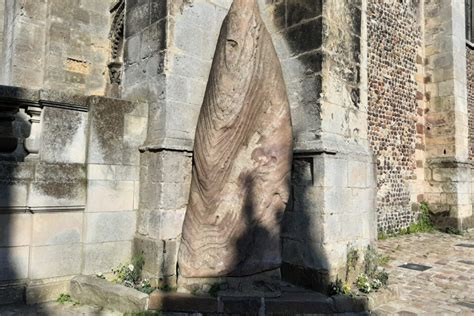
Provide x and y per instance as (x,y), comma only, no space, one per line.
(57,44)
(394,40)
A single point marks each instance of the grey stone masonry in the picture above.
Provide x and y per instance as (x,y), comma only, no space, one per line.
(56,44)
(68,200)
(95,291)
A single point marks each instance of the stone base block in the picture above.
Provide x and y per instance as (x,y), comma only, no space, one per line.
(265,284)
(317,280)
(12,293)
(293,301)
(95,291)
(383,296)
(444,222)
(44,291)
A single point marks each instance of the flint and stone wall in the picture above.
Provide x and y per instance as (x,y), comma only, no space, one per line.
(71,207)
(470,97)
(57,44)
(394,55)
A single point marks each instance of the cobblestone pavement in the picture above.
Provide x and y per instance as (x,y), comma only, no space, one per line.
(445,289)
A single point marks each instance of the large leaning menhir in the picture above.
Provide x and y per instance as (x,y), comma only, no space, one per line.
(242,156)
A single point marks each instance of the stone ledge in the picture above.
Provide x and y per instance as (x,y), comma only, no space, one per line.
(15,97)
(43,291)
(95,291)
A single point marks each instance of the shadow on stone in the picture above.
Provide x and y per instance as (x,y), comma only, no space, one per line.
(14,129)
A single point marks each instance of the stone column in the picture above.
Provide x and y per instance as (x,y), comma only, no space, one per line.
(448,171)
(322,45)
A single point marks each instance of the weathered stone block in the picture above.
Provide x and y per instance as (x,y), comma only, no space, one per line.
(158,10)
(195,45)
(41,292)
(357,174)
(95,6)
(305,252)
(171,223)
(13,193)
(57,194)
(152,251)
(55,261)
(110,226)
(126,173)
(19,92)
(57,228)
(338,200)
(64,173)
(113,196)
(182,117)
(107,130)
(136,194)
(103,257)
(188,66)
(170,257)
(138,16)
(16,171)
(15,230)
(63,136)
(100,172)
(135,130)
(95,291)
(14,263)
(153,39)
(156,163)
(12,293)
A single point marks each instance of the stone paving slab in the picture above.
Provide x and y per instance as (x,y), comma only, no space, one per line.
(445,289)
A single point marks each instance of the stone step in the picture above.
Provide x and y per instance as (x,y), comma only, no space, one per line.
(290,303)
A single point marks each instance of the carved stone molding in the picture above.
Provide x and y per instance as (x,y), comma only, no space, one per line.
(117,11)
(115,72)
(41,209)
(116,31)
(33,143)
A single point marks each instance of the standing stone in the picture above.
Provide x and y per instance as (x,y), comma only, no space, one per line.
(242,157)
